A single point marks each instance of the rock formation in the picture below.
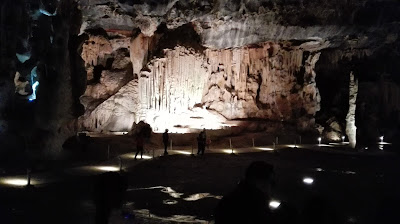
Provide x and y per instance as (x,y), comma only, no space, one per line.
(186,65)
(351,128)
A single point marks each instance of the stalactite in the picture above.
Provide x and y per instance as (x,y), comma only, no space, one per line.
(249,82)
(95,47)
(176,80)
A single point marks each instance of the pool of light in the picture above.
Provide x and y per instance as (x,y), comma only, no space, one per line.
(274,204)
(308,180)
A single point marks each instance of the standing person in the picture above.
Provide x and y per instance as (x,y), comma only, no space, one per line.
(165,141)
(248,202)
(139,145)
(203,141)
(200,143)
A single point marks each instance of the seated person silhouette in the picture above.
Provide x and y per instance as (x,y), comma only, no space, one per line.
(248,202)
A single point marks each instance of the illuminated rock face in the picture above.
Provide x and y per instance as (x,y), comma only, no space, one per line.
(265,81)
(187,90)
(258,58)
(351,128)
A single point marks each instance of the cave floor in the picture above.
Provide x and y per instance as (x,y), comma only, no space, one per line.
(182,188)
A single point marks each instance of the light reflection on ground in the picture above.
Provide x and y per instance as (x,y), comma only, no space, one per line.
(229,151)
(16,181)
(195,197)
(170,202)
(145,214)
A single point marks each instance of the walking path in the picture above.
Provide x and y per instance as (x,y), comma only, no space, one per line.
(126,161)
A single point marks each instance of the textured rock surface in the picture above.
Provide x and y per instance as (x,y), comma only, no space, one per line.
(200,63)
(224,24)
(264,81)
(351,129)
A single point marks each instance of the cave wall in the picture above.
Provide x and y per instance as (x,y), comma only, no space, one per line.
(104,64)
(35,43)
(273,81)
(243,59)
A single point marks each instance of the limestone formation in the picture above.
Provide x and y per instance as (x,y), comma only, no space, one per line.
(263,81)
(351,128)
(94,48)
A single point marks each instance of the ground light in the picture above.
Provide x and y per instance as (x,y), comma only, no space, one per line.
(293,146)
(107,168)
(381,138)
(274,204)
(319,140)
(182,152)
(265,148)
(20,182)
(132,156)
(229,151)
(343,139)
(308,180)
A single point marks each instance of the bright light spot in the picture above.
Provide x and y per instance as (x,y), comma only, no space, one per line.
(16,181)
(319,139)
(319,169)
(187,121)
(380,147)
(182,152)
(292,146)
(171,192)
(45,12)
(381,138)
(195,197)
(132,156)
(170,202)
(265,149)
(32,97)
(228,151)
(308,180)
(107,168)
(273,204)
(117,133)
(23,57)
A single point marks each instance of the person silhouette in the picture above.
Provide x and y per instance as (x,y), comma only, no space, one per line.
(109,189)
(248,202)
(200,144)
(139,145)
(165,141)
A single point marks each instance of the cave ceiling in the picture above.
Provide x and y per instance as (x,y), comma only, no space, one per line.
(227,24)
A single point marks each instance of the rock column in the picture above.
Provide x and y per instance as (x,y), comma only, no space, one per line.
(351,115)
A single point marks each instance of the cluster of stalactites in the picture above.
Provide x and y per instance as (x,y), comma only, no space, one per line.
(173,84)
(94,48)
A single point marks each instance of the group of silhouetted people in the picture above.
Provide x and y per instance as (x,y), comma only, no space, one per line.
(202,142)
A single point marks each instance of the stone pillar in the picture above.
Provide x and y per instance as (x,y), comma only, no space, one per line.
(351,128)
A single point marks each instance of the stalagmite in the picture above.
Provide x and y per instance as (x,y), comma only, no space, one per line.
(351,115)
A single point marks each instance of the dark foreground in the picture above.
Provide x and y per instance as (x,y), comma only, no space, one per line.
(353,188)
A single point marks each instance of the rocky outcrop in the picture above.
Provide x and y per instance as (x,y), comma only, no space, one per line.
(117,113)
